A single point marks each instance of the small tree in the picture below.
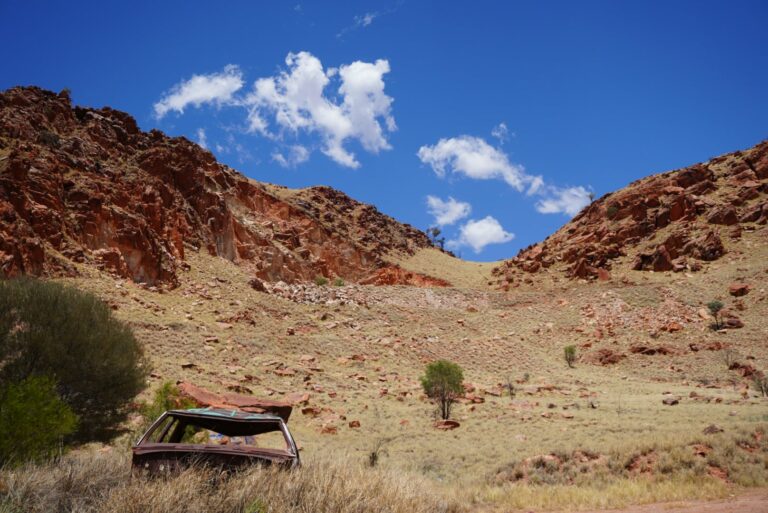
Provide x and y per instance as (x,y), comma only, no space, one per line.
(33,421)
(434,235)
(49,329)
(760,380)
(714,308)
(570,355)
(510,386)
(442,381)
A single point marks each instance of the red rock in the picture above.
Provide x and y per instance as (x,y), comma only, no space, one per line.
(329,430)
(205,398)
(354,424)
(446,425)
(739,289)
(725,214)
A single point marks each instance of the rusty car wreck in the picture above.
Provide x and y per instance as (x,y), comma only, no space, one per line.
(215,437)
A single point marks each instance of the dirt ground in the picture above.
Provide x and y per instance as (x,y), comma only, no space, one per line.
(755,501)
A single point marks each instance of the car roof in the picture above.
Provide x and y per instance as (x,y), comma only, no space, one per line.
(224,414)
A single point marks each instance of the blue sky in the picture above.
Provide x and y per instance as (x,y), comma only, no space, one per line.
(393,102)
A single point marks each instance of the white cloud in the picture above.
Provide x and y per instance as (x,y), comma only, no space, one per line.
(474,158)
(202,140)
(569,200)
(477,234)
(296,155)
(447,211)
(217,88)
(295,101)
(501,132)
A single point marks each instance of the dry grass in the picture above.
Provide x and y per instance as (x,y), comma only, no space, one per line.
(92,482)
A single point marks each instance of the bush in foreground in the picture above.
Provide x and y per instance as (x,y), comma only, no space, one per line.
(49,329)
(33,421)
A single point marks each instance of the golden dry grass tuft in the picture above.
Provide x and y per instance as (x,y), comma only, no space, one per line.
(91,482)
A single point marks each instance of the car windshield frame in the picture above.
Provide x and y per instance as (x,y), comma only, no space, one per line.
(226,422)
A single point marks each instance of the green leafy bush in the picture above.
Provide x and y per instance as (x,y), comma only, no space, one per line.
(338,282)
(714,308)
(570,355)
(442,381)
(33,421)
(167,397)
(48,329)
(321,281)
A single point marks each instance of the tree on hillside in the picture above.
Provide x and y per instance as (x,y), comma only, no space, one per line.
(434,236)
(714,308)
(570,355)
(443,382)
(51,330)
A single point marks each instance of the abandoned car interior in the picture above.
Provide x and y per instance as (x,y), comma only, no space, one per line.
(229,439)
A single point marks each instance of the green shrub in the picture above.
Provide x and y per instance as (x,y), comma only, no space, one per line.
(714,308)
(33,421)
(611,211)
(570,355)
(321,281)
(442,381)
(48,329)
(167,397)
(338,282)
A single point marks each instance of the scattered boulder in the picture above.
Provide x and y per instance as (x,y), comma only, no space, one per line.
(671,401)
(739,289)
(446,425)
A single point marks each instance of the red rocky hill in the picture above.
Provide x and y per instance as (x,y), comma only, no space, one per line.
(86,186)
(674,221)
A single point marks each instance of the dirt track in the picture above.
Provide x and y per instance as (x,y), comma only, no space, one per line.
(750,502)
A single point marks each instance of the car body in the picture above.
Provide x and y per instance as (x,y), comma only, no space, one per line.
(220,438)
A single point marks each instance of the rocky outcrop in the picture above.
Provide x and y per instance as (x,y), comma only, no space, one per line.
(684,209)
(86,186)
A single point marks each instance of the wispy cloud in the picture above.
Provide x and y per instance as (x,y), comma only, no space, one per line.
(474,158)
(358,22)
(567,200)
(448,211)
(295,155)
(501,133)
(202,140)
(216,88)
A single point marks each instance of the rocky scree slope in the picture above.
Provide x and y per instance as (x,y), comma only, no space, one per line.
(87,186)
(675,221)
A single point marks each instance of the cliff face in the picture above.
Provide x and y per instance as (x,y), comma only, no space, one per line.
(673,221)
(81,185)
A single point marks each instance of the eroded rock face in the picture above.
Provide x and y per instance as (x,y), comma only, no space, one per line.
(86,186)
(688,206)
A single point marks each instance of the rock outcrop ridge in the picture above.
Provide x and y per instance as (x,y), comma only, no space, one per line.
(82,185)
(673,221)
